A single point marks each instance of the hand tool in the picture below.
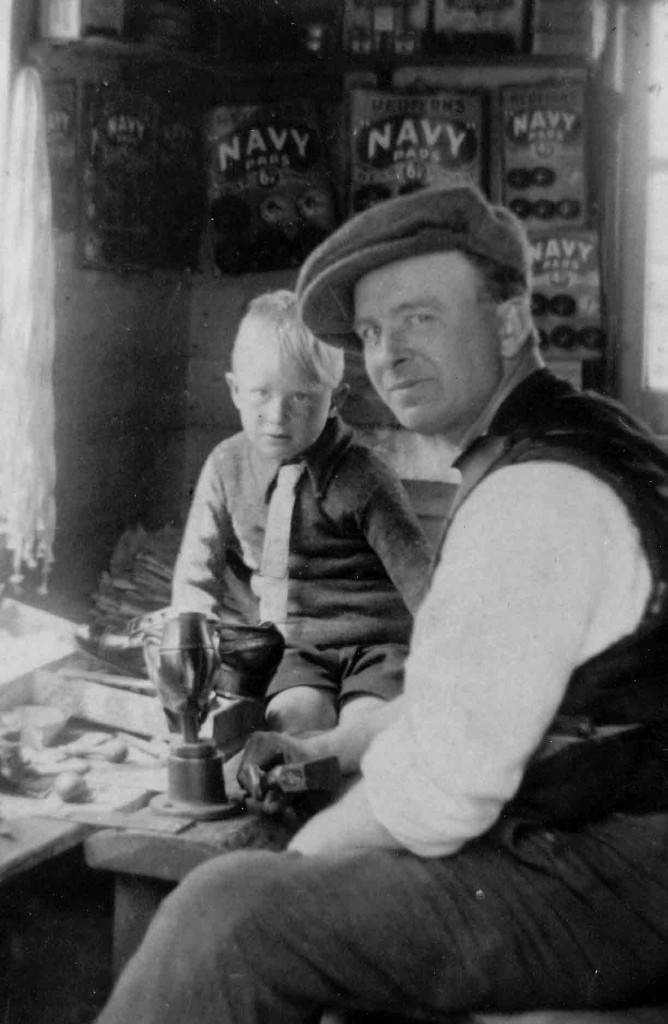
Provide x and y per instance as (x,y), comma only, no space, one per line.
(322,775)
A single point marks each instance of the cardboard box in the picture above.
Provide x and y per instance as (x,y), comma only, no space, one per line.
(401,141)
(61,138)
(566,293)
(543,158)
(568,27)
(370,26)
(268,185)
(481,18)
(117,223)
(103,16)
(99,704)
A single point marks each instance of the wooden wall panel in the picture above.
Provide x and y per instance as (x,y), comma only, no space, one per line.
(120,381)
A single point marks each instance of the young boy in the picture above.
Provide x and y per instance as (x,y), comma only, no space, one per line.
(295,523)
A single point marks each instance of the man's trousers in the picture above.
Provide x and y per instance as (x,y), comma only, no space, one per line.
(521,919)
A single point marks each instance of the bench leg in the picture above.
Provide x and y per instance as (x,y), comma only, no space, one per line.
(136,900)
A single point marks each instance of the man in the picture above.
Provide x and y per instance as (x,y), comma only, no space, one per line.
(506,848)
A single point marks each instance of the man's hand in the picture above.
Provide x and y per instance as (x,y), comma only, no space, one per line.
(347,742)
(267,750)
(349,824)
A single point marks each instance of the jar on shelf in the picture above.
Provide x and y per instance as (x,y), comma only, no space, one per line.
(169,24)
(73,19)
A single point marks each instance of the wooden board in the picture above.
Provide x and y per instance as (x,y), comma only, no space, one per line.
(143,820)
(100,703)
(171,857)
(29,638)
(40,828)
(113,787)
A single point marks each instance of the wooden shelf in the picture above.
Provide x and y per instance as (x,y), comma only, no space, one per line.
(559,355)
(331,65)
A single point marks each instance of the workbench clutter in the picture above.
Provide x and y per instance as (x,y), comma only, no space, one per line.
(185,657)
(49,759)
(204,669)
(80,735)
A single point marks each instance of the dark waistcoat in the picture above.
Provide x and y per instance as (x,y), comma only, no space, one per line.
(611,730)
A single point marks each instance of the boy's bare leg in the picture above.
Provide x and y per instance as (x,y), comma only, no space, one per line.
(301,709)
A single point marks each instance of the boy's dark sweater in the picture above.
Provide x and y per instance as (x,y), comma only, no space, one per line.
(358,558)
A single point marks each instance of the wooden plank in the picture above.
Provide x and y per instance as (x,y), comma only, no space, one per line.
(155,855)
(171,857)
(101,704)
(143,820)
(131,683)
(30,638)
(113,787)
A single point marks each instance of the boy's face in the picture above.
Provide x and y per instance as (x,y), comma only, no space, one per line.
(282,409)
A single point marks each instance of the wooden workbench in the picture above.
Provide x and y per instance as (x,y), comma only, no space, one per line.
(147,865)
(148,854)
(40,663)
(35,840)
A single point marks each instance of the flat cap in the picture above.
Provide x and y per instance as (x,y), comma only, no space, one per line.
(430,220)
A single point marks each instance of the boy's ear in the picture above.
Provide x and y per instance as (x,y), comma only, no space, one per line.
(339,395)
(232,385)
(514,320)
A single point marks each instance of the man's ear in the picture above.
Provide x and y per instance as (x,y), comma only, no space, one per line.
(339,395)
(514,320)
(232,385)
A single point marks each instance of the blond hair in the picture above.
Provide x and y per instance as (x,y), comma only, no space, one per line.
(276,312)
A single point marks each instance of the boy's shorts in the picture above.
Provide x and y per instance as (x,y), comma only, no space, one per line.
(377,670)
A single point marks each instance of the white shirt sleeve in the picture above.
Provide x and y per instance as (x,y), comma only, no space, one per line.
(542,569)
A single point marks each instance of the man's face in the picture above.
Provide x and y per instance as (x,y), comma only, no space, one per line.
(282,409)
(430,341)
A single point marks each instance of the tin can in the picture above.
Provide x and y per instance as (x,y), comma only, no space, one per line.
(103,17)
(72,19)
(60,19)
